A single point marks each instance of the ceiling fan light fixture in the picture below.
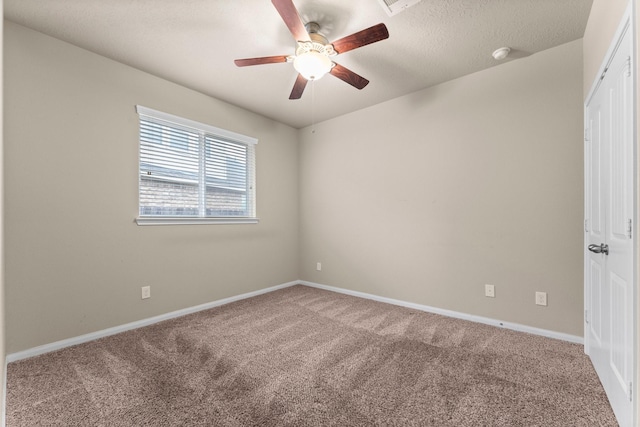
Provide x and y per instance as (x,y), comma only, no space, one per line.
(312,65)
(312,59)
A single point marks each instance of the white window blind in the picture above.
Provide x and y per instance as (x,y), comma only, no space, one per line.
(191,172)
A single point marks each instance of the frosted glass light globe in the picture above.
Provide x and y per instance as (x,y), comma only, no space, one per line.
(312,65)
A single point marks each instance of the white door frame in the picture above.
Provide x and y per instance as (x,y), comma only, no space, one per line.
(627,23)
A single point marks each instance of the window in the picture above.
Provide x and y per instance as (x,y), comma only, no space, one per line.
(193,173)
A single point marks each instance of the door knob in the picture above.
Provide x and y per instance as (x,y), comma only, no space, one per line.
(599,249)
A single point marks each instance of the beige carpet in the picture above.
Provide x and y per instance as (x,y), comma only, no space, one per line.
(307,357)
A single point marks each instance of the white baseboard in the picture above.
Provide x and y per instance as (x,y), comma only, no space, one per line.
(3,414)
(455,314)
(46,348)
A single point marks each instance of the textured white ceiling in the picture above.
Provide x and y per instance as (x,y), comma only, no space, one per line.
(194,43)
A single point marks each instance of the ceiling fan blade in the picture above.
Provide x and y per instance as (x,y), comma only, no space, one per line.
(346,75)
(361,38)
(290,16)
(259,61)
(298,87)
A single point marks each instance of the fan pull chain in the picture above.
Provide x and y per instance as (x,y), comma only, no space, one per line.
(313,106)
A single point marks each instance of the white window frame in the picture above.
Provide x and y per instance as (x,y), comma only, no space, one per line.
(209,130)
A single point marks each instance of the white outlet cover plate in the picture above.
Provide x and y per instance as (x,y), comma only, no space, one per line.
(489,291)
(541,298)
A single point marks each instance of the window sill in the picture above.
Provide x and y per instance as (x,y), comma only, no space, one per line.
(192,221)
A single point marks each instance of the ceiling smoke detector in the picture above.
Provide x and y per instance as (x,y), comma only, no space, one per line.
(393,7)
(500,54)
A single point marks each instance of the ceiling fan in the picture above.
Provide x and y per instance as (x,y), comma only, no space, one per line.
(312,58)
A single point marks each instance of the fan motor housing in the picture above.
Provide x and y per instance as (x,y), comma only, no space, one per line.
(318,43)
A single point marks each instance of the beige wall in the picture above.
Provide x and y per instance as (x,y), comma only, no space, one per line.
(424,198)
(75,260)
(2,323)
(427,197)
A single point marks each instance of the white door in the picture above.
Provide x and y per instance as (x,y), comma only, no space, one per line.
(609,273)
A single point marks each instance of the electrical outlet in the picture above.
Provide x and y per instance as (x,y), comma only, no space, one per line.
(489,291)
(146,292)
(541,298)
(319,266)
